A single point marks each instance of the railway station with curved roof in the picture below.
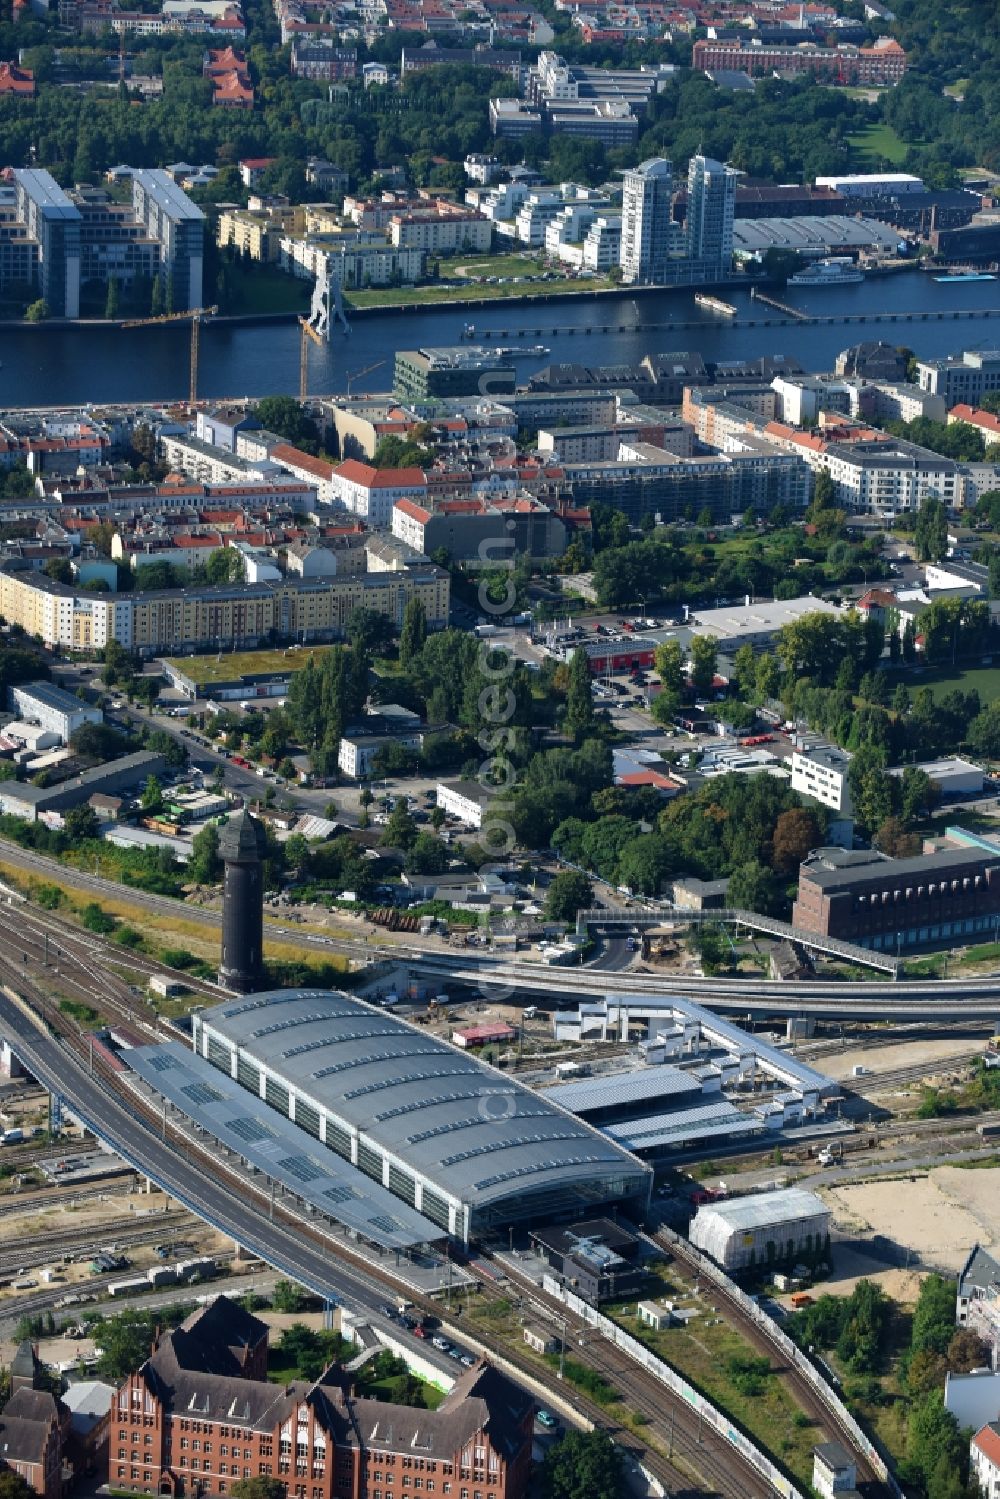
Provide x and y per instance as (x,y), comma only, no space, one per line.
(465,1145)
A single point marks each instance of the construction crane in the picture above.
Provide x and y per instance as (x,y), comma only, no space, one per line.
(308,332)
(195,315)
(359,374)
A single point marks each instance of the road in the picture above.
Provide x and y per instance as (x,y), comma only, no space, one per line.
(955,1000)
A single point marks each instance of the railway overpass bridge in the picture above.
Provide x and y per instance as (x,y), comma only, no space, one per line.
(953,1000)
(865,957)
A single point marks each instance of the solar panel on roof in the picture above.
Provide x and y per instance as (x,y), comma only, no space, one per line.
(301,1167)
(338,1194)
(250,1130)
(160,1062)
(202,1093)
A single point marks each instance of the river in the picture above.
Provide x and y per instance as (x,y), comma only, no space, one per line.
(73,365)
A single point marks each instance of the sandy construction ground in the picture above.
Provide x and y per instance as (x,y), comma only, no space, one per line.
(935,1054)
(940,1215)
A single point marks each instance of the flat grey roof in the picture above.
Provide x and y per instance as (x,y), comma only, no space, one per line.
(44,190)
(53,696)
(162,188)
(704,1121)
(926,866)
(479,1133)
(763,1209)
(622,1088)
(279,1148)
(141,761)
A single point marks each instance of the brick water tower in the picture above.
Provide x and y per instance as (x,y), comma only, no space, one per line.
(242,846)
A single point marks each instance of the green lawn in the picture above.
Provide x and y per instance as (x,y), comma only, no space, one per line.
(388,1390)
(942,679)
(876,143)
(228,665)
(466,267)
(407,296)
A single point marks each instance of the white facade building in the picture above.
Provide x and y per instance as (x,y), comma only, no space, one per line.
(466,800)
(53,709)
(372,492)
(763,1228)
(711,208)
(646,221)
(984,1460)
(821,771)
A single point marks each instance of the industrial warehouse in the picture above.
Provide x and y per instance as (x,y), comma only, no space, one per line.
(463,1147)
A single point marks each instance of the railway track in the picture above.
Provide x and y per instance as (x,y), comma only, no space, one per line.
(756,1335)
(693,1448)
(727,1472)
(875,1082)
(40,1250)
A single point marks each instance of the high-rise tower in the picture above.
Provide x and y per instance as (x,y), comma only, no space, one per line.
(710,207)
(242,846)
(646,221)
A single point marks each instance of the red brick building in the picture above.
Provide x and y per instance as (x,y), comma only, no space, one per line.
(883,63)
(200,1415)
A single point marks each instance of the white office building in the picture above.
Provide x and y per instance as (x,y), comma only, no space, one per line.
(646,221)
(821,771)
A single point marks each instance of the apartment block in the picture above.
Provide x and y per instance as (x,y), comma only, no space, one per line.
(478,531)
(213,616)
(178,225)
(821,771)
(646,221)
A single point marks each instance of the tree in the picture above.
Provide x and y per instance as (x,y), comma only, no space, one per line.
(400,830)
(124,1342)
(413,633)
(59,569)
(934,1315)
(96,919)
(892,838)
(81,823)
(669,663)
(111,301)
(13,1486)
(368,631)
(38,312)
(225,565)
(288,1297)
(796,833)
(427,855)
(704,658)
(579,697)
(261,1487)
(752,887)
(399,452)
(288,419)
(967,1351)
(583,1465)
(568,893)
(204,865)
(152,796)
(931,530)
